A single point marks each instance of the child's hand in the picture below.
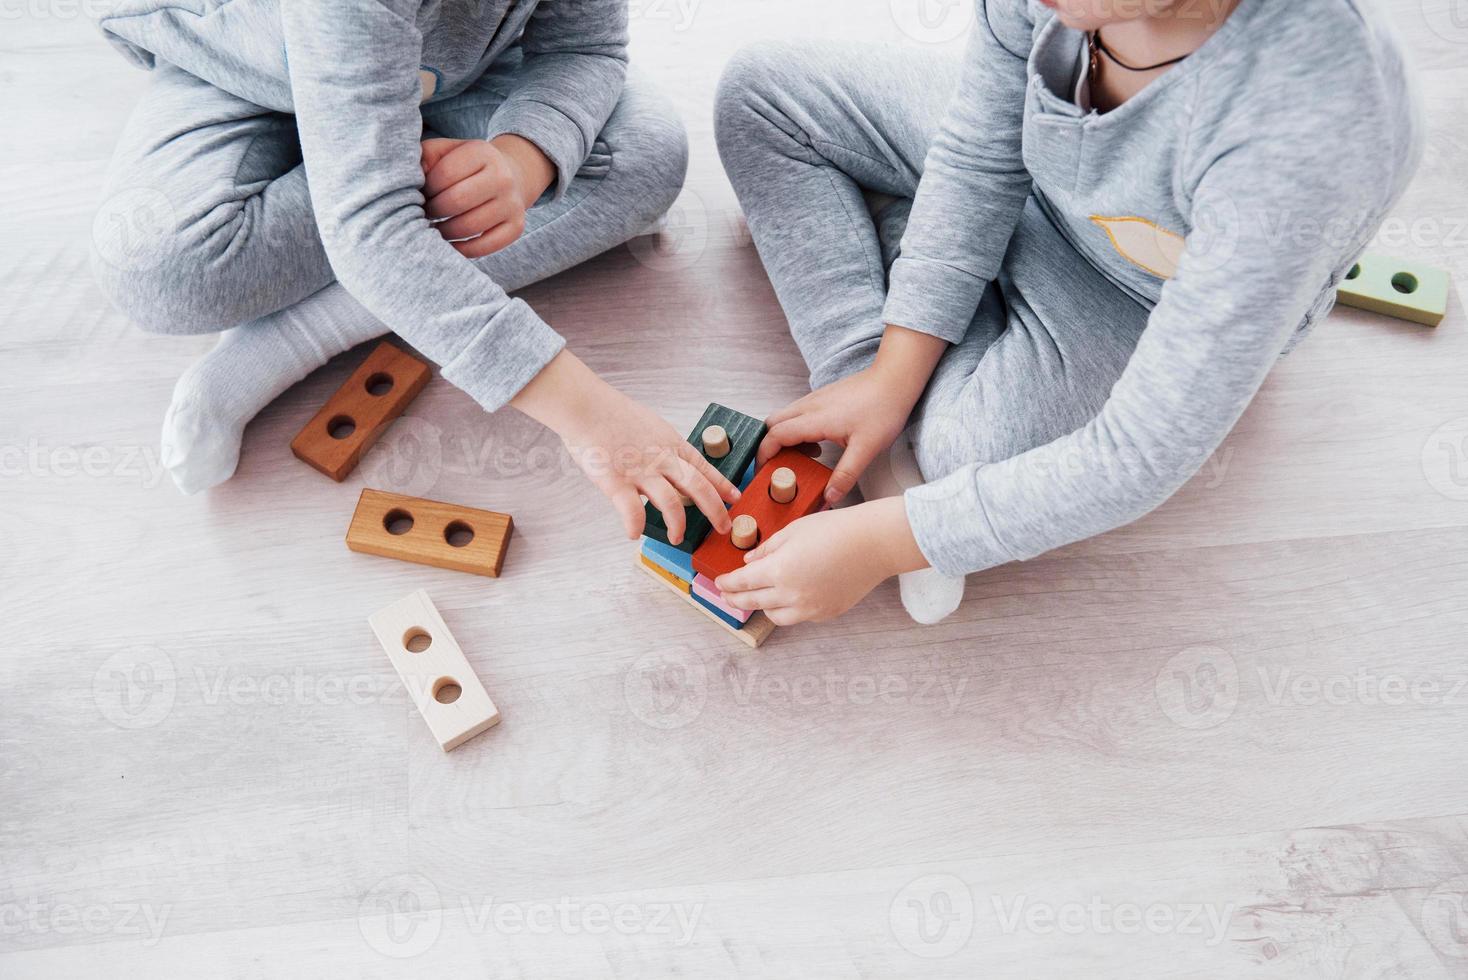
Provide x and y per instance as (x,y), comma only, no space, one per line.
(483,188)
(863,412)
(625,449)
(820,566)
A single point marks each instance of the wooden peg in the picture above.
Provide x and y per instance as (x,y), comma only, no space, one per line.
(463,539)
(783,486)
(434,670)
(353,418)
(746,532)
(715,442)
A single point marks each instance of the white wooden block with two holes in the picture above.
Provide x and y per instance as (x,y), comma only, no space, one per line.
(434,670)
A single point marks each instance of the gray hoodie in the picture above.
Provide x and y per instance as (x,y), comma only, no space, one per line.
(354,73)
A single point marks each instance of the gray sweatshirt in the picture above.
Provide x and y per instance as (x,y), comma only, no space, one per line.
(354,73)
(1230,196)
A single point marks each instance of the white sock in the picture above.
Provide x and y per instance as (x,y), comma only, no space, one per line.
(927,594)
(252,365)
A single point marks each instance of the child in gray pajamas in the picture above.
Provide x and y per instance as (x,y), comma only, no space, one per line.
(308,174)
(1075,252)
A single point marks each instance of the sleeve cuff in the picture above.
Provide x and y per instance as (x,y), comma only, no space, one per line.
(557,135)
(510,350)
(952,526)
(932,298)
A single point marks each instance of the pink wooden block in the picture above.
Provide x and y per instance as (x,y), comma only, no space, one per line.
(704,587)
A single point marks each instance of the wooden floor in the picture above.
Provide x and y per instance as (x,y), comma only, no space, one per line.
(1229,741)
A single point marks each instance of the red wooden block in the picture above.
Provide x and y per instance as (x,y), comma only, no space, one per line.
(717,555)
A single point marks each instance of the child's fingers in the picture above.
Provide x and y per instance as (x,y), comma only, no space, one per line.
(670,505)
(459,198)
(725,488)
(857,456)
(753,599)
(697,487)
(629,507)
(766,548)
(481,218)
(481,187)
(501,236)
(797,407)
(745,579)
(785,616)
(791,432)
(459,163)
(434,150)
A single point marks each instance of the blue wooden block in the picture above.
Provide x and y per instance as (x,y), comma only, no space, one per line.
(665,556)
(727,620)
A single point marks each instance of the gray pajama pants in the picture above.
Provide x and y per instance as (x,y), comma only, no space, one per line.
(811,134)
(237,238)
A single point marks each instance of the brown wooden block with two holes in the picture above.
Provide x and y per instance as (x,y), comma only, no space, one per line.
(335,440)
(429,532)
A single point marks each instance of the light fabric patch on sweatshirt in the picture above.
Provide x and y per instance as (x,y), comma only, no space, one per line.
(428,81)
(1143,243)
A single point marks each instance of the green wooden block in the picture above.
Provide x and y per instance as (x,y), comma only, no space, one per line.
(745,434)
(1393,287)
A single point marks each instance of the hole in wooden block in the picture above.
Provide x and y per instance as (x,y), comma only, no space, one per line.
(446,690)
(1355,272)
(416,640)
(341,427)
(458,534)
(1404,282)
(379,384)
(397,521)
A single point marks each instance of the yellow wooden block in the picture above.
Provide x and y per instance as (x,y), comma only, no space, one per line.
(1394,287)
(665,575)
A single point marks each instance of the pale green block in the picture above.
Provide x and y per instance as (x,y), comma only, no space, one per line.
(1395,287)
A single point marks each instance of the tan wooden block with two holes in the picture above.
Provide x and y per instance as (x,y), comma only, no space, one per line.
(434,670)
(429,532)
(337,437)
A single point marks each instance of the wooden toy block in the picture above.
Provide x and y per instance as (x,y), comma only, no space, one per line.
(677,563)
(752,634)
(737,438)
(720,554)
(429,532)
(704,588)
(1393,287)
(719,613)
(434,670)
(336,438)
(666,575)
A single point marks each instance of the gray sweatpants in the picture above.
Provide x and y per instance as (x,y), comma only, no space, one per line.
(234,237)
(811,134)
